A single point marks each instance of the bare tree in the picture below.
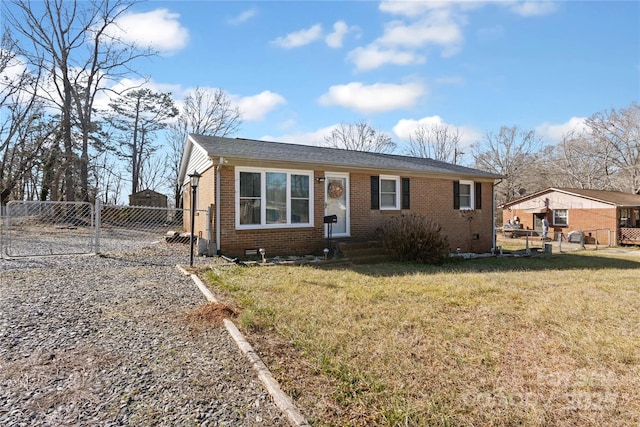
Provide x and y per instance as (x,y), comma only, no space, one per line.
(618,135)
(137,115)
(204,112)
(209,112)
(359,136)
(24,126)
(509,153)
(576,163)
(153,172)
(72,41)
(438,141)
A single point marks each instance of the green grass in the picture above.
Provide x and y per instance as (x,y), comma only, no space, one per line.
(551,340)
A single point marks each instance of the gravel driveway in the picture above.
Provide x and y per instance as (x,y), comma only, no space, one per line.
(103,341)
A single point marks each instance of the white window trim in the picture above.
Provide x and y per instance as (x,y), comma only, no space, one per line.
(554,218)
(263,204)
(398,195)
(472,196)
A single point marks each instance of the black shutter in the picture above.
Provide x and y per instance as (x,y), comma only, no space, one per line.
(406,197)
(375,192)
(456,194)
(478,195)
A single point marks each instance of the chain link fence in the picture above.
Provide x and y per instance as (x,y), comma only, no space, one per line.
(48,228)
(522,240)
(33,228)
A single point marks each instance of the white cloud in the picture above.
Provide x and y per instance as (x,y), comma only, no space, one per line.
(13,68)
(376,98)
(256,107)
(299,38)
(533,8)
(340,29)
(243,17)
(433,23)
(371,57)
(305,138)
(405,127)
(102,98)
(555,133)
(438,27)
(411,8)
(401,41)
(159,29)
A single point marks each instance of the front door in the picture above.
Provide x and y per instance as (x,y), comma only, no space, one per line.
(537,222)
(336,202)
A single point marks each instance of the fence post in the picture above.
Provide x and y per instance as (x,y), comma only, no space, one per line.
(96,246)
(560,242)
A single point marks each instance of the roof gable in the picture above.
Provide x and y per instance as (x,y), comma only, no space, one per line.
(616,198)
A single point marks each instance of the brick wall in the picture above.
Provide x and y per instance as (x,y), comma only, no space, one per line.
(579,219)
(430,197)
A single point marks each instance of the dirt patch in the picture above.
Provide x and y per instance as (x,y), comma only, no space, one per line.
(208,315)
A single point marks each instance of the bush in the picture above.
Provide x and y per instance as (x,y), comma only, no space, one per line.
(415,237)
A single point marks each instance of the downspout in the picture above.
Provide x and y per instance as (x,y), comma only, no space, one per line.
(493,216)
(218,186)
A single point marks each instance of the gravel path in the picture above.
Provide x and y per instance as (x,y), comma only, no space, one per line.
(103,341)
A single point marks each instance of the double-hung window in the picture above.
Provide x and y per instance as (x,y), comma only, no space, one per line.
(464,195)
(389,190)
(560,217)
(273,198)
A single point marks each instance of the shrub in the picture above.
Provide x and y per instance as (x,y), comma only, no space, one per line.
(413,237)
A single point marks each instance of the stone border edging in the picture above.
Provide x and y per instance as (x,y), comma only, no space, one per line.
(281,399)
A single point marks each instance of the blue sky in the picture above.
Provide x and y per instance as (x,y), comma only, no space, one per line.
(298,68)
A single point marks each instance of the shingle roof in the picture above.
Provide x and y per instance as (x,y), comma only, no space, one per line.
(250,149)
(617,198)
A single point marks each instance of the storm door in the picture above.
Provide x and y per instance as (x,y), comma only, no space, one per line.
(336,202)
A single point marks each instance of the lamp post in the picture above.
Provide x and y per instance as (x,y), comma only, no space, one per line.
(194,179)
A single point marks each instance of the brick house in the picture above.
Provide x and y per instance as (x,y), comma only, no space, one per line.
(612,217)
(276,196)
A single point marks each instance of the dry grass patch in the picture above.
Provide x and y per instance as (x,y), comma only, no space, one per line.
(536,341)
(208,315)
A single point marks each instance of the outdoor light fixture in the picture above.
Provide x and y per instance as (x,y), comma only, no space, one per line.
(320,179)
(194,180)
(262,252)
(326,252)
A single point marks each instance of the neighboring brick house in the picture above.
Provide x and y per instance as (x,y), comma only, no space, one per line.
(611,216)
(275,196)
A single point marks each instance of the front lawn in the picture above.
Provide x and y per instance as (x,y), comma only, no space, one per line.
(548,340)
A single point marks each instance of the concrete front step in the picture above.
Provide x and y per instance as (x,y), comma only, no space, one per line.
(364,252)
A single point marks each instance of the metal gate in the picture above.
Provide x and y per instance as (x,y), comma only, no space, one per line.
(33,228)
(128,229)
